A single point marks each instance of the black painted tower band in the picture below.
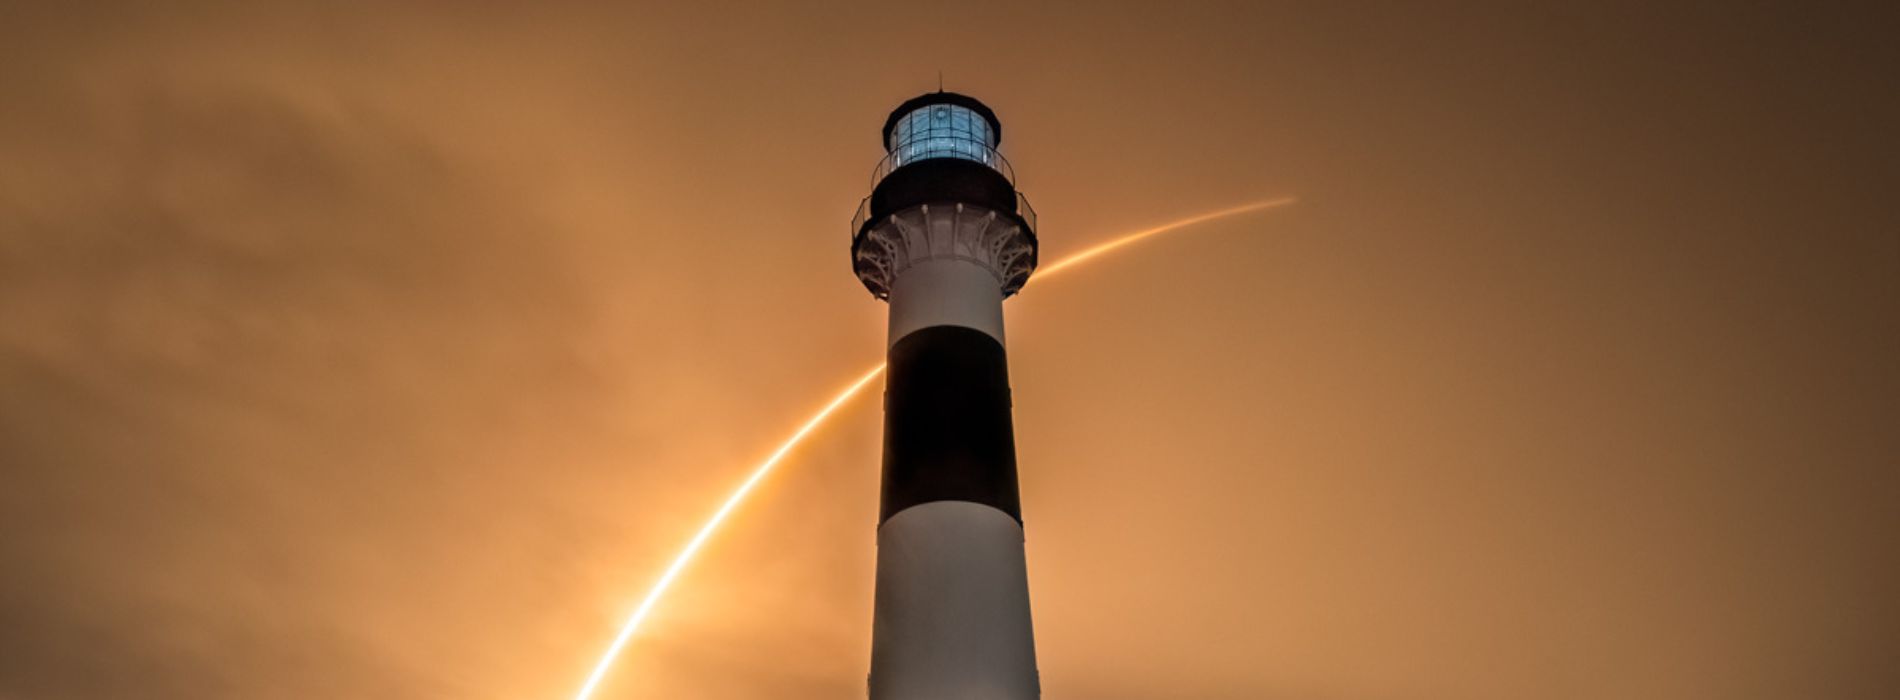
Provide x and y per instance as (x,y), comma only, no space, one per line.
(947,428)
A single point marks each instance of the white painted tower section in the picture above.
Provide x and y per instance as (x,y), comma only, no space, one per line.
(952,618)
(946,265)
(946,292)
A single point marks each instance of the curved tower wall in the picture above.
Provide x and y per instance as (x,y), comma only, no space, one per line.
(952,618)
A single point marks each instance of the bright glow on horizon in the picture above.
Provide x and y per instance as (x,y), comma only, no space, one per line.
(759,473)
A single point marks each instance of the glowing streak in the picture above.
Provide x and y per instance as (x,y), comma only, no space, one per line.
(705,531)
(758,474)
(1045,271)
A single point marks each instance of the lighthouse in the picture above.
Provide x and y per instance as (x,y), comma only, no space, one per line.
(944,238)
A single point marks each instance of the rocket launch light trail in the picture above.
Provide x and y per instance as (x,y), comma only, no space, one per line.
(1084,256)
(760,472)
(705,531)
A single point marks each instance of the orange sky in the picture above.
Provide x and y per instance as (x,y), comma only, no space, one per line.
(391,353)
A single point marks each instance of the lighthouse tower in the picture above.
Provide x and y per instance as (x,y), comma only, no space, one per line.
(944,237)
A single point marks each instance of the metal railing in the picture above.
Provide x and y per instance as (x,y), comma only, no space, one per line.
(926,149)
(1028,214)
(857,219)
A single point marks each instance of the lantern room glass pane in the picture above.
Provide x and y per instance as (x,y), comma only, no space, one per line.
(942,131)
